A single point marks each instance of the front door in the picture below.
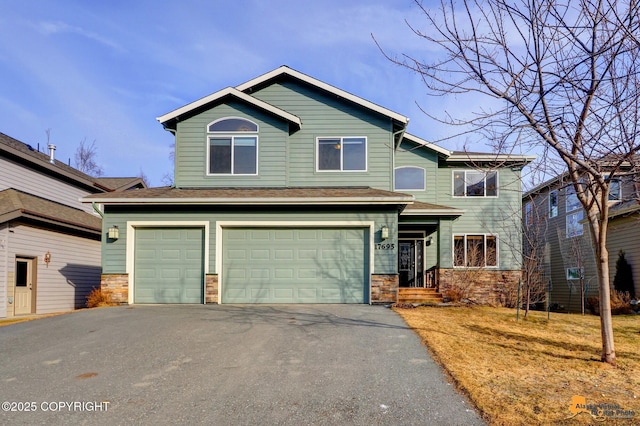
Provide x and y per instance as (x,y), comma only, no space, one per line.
(410,262)
(23,287)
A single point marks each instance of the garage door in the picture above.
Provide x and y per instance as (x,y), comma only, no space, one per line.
(168,265)
(309,265)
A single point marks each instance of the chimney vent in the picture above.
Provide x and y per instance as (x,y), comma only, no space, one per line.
(52,149)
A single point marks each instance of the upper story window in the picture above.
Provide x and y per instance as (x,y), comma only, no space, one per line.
(572,201)
(342,154)
(615,190)
(409,178)
(232,147)
(528,213)
(472,183)
(553,203)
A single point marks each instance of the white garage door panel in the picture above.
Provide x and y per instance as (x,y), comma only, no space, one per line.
(308,265)
(168,266)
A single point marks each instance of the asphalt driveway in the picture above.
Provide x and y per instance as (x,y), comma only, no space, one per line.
(224,365)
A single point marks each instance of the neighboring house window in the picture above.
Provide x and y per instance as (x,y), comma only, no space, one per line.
(615,190)
(574,273)
(553,203)
(528,214)
(410,178)
(475,250)
(572,199)
(342,154)
(233,147)
(470,183)
(574,227)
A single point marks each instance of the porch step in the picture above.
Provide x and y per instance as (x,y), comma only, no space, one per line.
(419,295)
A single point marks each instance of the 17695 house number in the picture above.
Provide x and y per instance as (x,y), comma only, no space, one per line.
(389,246)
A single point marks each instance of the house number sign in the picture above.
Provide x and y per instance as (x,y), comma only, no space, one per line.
(385,246)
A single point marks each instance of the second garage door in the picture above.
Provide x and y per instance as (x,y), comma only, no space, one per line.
(307,265)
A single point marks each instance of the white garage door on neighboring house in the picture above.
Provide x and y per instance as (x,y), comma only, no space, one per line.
(304,265)
(168,265)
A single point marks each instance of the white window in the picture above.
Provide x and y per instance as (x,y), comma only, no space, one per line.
(409,178)
(475,250)
(572,202)
(472,183)
(232,147)
(574,227)
(553,203)
(615,190)
(342,154)
(574,273)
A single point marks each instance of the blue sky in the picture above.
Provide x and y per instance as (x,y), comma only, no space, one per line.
(104,70)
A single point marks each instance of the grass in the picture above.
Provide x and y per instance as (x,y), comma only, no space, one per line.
(528,371)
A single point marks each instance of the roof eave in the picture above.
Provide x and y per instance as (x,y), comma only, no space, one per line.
(254,201)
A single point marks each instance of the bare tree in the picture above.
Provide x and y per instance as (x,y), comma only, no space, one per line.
(565,79)
(534,231)
(85,158)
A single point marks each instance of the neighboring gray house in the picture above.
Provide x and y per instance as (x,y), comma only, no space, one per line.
(290,190)
(553,212)
(49,240)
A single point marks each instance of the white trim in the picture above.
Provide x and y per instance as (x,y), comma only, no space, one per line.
(482,157)
(233,92)
(221,224)
(331,89)
(439,212)
(330,201)
(130,250)
(341,170)
(424,178)
(424,143)
(549,211)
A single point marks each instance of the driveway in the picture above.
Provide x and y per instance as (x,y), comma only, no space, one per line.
(224,365)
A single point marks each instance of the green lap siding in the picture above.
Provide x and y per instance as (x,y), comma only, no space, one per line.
(304,265)
(168,265)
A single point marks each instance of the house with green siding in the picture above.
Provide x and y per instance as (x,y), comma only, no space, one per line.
(290,190)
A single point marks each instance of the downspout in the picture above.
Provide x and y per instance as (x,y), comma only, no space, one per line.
(93,204)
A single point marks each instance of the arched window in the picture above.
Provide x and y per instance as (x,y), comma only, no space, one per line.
(232,147)
(410,178)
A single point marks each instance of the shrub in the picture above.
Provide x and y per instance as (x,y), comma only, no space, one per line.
(99,297)
(620,303)
(623,281)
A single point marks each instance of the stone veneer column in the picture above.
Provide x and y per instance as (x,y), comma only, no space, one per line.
(211,288)
(117,285)
(384,288)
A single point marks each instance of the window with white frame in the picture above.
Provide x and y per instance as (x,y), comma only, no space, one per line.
(475,250)
(474,183)
(232,145)
(574,273)
(409,178)
(553,203)
(574,225)
(615,190)
(341,154)
(572,202)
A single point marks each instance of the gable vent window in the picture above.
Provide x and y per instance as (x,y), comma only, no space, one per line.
(409,178)
(232,147)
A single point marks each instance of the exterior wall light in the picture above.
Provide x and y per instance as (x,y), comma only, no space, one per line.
(114,232)
(384,232)
(47,258)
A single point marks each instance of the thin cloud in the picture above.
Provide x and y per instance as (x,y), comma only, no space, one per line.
(49,28)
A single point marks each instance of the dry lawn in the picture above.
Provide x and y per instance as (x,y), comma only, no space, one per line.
(527,372)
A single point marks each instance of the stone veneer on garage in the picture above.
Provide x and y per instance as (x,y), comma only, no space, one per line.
(384,288)
(117,285)
(211,288)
